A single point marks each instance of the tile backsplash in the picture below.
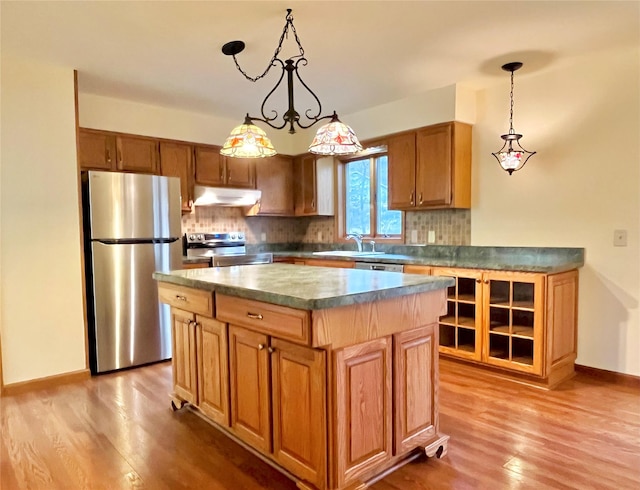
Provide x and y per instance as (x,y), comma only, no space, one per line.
(450,226)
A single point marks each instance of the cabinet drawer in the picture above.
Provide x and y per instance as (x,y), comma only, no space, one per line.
(279,321)
(189,299)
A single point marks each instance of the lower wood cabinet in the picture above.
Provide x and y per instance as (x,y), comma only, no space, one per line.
(415,378)
(363,405)
(250,396)
(299,387)
(213,369)
(332,417)
(518,321)
(184,363)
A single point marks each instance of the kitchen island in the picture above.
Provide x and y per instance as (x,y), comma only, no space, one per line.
(331,375)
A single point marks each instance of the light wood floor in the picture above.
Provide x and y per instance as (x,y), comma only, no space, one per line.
(117,431)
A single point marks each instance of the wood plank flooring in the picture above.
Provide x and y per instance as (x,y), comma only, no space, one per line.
(117,431)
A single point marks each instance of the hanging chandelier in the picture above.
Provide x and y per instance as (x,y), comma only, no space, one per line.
(509,157)
(249,141)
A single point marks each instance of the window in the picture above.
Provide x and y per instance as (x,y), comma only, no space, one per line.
(366,197)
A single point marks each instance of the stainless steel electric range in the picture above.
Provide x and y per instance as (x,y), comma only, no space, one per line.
(225,249)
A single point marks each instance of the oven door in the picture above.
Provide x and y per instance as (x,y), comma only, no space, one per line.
(242,259)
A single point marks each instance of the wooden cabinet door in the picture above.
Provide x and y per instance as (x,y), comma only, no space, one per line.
(185,384)
(461,328)
(240,172)
(362,416)
(415,377)
(175,161)
(137,154)
(299,410)
(249,386)
(213,371)
(401,152)
(305,185)
(96,150)
(209,166)
(434,166)
(274,177)
(513,322)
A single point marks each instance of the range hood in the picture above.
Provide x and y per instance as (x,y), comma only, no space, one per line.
(224,196)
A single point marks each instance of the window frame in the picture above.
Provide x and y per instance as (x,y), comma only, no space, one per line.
(341,222)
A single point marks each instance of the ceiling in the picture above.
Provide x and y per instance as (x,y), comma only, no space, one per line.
(361,53)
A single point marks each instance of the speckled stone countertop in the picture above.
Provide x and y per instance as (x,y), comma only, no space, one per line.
(549,260)
(304,287)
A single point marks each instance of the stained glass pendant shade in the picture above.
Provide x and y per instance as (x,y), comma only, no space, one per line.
(509,157)
(335,138)
(248,141)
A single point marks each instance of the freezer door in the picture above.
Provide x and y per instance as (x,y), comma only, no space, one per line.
(133,206)
(130,327)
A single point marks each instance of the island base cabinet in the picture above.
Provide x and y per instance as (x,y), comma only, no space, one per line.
(183,335)
(299,410)
(363,410)
(213,372)
(249,386)
(415,376)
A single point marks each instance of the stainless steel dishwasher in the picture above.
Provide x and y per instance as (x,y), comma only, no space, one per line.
(377,266)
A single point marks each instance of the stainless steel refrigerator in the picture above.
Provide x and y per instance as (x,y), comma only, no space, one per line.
(132,228)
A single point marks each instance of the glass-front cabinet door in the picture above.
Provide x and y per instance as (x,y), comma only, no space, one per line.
(461,327)
(513,322)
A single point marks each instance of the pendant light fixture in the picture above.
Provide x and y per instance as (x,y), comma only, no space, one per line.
(249,141)
(509,157)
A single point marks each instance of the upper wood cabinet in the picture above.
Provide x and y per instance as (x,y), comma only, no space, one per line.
(100,150)
(216,170)
(401,152)
(96,150)
(314,185)
(274,177)
(137,154)
(431,168)
(176,161)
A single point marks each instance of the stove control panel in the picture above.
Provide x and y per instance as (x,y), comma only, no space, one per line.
(230,238)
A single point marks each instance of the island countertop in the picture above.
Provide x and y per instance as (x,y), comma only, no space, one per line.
(304,287)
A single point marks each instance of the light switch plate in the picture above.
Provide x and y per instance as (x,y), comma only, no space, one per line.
(619,238)
(431,237)
(263,237)
(414,236)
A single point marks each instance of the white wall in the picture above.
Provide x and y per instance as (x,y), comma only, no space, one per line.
(583,120)
(42,323)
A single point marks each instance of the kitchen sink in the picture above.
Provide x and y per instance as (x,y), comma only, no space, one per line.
(348,253)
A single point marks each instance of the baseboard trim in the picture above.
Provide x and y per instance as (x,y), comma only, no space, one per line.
(47,382)
(614,377)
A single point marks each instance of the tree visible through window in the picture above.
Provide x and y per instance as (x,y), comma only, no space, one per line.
(366,196)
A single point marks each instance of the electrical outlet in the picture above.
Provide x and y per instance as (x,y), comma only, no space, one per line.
(414,236)
(263,237)
(619,238)
(431,237)
(319,236)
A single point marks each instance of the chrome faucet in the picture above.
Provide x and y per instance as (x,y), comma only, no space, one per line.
(373,245)
(357,238)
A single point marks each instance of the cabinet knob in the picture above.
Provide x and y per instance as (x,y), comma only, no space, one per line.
(411,197)
(108,155)
(271,350)
(486,281)
(478,281)
(229,176)
(254,316)
(181,298)
(420,199)
(261,346)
